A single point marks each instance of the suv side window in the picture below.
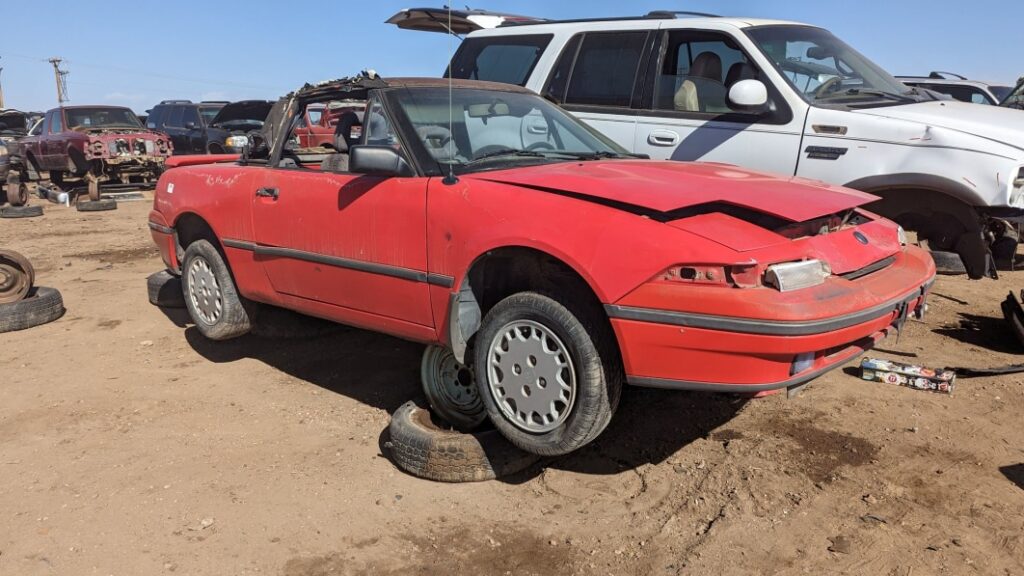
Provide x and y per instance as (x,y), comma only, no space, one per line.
(507,59)
(696,71)
(191,115)
(155,118)
(174,119)
(56,122)
(604,70)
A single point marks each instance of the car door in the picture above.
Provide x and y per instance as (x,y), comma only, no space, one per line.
(352,241)
(193,133)
(53,143)
(174,127)
(686,112)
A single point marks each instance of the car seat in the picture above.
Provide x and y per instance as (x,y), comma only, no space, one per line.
(705,73)
(338,162)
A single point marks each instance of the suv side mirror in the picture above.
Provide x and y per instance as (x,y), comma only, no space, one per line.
(191,125)
(377,161)
(748,96)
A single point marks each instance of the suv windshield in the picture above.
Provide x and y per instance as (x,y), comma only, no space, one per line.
(209,113)
(88,118)
(824,70)
(491,129)
(1016,99)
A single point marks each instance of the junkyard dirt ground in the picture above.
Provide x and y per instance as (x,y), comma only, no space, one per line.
(130,446)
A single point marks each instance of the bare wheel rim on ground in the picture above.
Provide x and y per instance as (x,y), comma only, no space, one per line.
(451,389)
(203,289)
(16,276)
(531,376)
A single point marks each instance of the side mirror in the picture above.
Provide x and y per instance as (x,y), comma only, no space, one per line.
(378,161)
(748,96)
(191,125)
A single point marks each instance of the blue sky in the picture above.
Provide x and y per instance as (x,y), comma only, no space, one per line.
(136,53)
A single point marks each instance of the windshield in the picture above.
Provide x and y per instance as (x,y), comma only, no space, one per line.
(1016,99)
(209,113)
(1000,92)
(824,70)
(88,118)
(491,129)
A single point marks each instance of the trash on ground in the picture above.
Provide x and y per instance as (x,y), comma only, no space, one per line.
(909,375)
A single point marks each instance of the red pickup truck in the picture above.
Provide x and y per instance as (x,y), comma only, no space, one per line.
(528,248)
(105,142)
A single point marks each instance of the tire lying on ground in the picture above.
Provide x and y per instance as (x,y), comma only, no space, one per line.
(948,263)
(21,211)
(422,448)
(165,290)
(101,205)
(41,306)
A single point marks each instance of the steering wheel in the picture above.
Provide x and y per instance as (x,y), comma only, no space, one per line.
(831,85)
(540,146)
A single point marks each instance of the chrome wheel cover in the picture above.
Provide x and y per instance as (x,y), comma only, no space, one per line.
(204,291)
(531,377)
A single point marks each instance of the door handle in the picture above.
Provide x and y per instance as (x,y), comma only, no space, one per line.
(267,193)
(663,138)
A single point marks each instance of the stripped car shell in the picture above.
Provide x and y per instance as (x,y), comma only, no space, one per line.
(679,259)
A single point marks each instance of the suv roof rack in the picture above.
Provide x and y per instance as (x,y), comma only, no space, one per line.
(215,102)
(654,15)
(667,14)
(943,75)
(175,101)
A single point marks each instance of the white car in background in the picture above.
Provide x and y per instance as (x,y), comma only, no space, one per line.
(769,95)
(959,87)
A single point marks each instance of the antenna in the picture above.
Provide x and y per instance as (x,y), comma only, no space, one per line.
(61,76)
(450,178)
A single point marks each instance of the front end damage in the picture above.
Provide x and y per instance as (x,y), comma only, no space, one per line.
(125,157)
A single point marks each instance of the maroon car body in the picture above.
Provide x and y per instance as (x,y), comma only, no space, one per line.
(107,141)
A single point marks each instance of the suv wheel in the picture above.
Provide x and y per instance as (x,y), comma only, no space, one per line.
(210,294)
(547,381)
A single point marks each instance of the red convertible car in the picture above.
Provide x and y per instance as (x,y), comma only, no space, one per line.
(545,266)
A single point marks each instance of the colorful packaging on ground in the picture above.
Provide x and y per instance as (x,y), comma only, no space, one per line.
(909,375)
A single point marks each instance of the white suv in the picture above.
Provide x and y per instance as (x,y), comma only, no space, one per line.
(769,95)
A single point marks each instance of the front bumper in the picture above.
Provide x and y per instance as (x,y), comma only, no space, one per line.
(166,240)
(708,352)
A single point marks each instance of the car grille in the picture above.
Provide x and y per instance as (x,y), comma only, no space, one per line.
(869,269)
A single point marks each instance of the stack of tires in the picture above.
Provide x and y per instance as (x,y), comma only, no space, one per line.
(23,305)
(16,197)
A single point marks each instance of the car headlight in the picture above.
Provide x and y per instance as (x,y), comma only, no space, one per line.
(797,275)
(1017,188)
(236,141)
(902,235)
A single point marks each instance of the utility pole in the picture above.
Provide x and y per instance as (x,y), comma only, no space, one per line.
(61,77)
(1,88)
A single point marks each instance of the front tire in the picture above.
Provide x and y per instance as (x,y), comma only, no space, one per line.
(549,378)
(210,294)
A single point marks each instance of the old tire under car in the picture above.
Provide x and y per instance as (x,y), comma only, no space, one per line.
(21,211)
(211,298)
(424,449)
(948,263)
(17,191)
(42,305)
(101,205)
(534,353)
(165,290)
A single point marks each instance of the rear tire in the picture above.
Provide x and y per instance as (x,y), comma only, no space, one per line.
(210,294)
(548,376)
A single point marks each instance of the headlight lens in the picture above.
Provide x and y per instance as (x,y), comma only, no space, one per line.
(797,275)
(237,141)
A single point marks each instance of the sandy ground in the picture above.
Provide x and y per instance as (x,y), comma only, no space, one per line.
(129,445)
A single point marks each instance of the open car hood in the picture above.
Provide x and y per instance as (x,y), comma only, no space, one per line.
(244,110)
(13,123)
(462,21)
(668,191)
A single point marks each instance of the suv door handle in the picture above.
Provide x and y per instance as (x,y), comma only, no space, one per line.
(267,193)
(663,138)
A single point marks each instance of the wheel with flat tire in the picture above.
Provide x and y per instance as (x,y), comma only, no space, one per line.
(423,448)
(549,377)
(165,290)
(211,298)
(451,389)
(21,211)
(42,305)
(96,205)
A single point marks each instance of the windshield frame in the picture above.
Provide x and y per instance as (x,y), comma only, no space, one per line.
(1017,95)
(406,132)
(80,127)
(865,100)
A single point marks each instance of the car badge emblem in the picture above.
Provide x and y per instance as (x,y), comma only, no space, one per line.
(861,238)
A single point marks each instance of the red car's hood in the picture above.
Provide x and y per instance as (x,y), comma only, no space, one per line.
(665,187)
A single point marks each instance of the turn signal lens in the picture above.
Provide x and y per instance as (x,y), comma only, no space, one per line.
(797,275)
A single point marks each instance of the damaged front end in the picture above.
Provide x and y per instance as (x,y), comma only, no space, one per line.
(125,156)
